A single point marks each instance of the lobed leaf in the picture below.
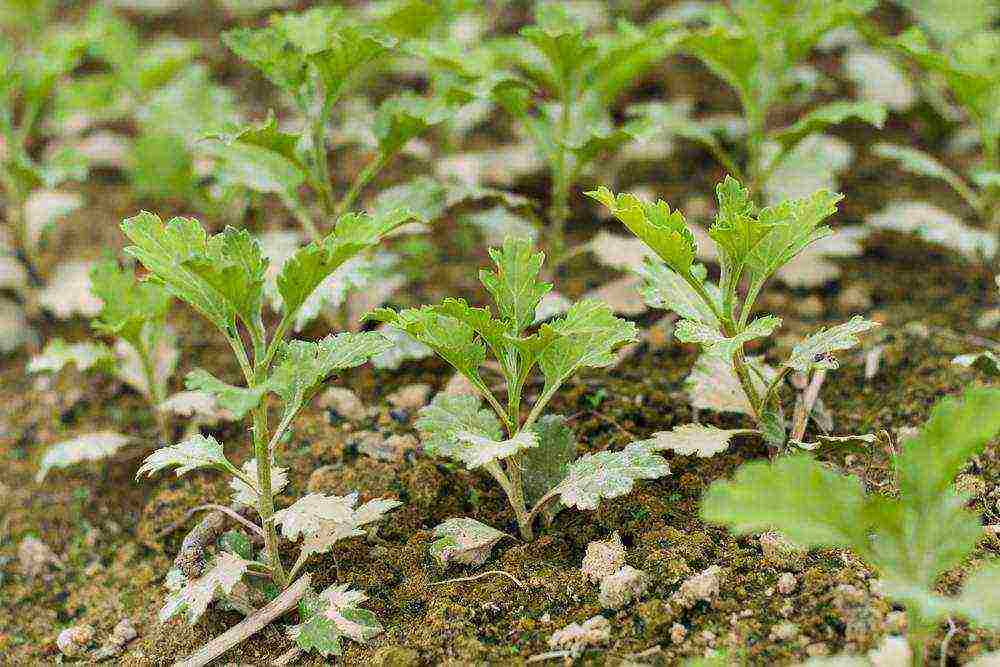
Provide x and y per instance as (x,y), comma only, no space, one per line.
(85,356)
(192,596)
(715,343)
(237,400)
(666,289)
(127,303)
(585,337)
(458,427)
(89,447)
(404,117)
(816,350)
(694,439)
(514,283)
(197,451)
(331,615)
(609,474)
(544,466)
(464,541)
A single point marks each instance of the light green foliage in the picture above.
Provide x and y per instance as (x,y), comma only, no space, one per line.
(223,277)
(911,540)
(192,596)
(458,427)
(753,243)
(759,48)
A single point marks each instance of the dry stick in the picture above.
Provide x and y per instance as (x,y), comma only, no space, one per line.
(952,629)
(250,626)
(551,655)
(477,576)
(804,406)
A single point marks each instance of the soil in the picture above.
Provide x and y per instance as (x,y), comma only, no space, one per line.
(110,531)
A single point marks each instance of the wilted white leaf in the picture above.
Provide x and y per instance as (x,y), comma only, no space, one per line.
(89,447)
(68,291)
(192,596)
(14,328)
(695,439)
(609,475)
(551,305)
(714,343)
(816,350)
(663,288)
(44,208)
(498,222)
(485,450)
(625,253)
(323,520)
(197,451)
(165,356)
(622,295)
(404,348)
(459,427)
(812,165)
(199,405)
(935,225)
(464,541)
(58,353)
(989,361)
(245,494)
(878,79)
(713,385)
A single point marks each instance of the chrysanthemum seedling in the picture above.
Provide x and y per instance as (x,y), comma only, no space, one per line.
(530,455)
(970,68)
(760,47)
(222,277)
(559,81)
(910,540)
(752,243)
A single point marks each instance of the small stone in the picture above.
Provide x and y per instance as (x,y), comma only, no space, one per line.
(777,549)
(33,555)
(783,631)
(344,402)
(411,397)
(399,445)
(459,385)
(703,586)
(894,652)
(73,641)
(817,650)
(787,583)
(575,637)
(603,558)
(854,299)
(811,306)
(678,633)
(373,444)
(622,587)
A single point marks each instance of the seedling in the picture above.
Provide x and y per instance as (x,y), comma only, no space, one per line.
(752,243)
(909,540)
(759,47)
(534,463)
(222,278)
(970,68)
(560,83)
(315,58)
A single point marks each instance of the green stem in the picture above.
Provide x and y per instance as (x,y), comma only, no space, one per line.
(561,183)
(320,164)
(366,175)
(302,217)
(265,496)
(156,393)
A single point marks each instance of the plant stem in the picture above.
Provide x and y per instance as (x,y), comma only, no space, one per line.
(561,183)
(320,164)
(155,388)
(265,497)
(363,178)
(302,216)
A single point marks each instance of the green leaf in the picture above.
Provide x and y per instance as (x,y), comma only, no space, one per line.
(979,601)
(815,352)
(312,30)
(733,56)
(664,288)
(715,343)
(405,116)
(331,615)
(220,276)
(192,596)
(809,503)
(303,365)
(269,50)
(701,440)
(237,400)
(834,113)
(458,427)
(354,233)
(463,541)
(88,447)
(663,230)
(606,475)
(197,451)
(348,50)
(791,226)
(586,337)
(544,466)
(128,303)
(561,39)
(85,356)
(738,227)
(919,163)
(514,283)
(257,168)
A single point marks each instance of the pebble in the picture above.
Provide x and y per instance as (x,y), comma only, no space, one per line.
(783,631)
(678,633)
(702,586)
(459,385)
(622,587)
(122,634)
(73,641)
(854,299)
(787,583)
(411,397)
(603,558)
(33,555)
(817,649)
(345,403)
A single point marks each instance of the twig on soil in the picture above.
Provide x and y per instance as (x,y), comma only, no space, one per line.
(952,629)
(190,558)
(804,406)
(231,513)
(477,576)
(250,626)
(288,656)
(551,655)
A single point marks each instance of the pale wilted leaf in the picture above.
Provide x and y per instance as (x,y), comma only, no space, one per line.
(714,343)
(816,350)
(404,348)
(694,439)
(162,344)
(236,400)
(575,637)
(323,520)
(666,289)
(197,451)
(935,225)
(459,427)
(44,208)
(498,222)
(624,253)
(202,406)
(712,384)
(192,596)
(14,328)
(333,614)
(245,494)
(89,447)
(609,474)
(478,450)
(464,541)
(85,356)
(68,291)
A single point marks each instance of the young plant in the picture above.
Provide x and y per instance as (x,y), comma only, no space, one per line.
(760,48)
(909,540)
(144,356)
(970,68)
(528,454)
(753,243)
(315,58)
(563,84)
(222,278)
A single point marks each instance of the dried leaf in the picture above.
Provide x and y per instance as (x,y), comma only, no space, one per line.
(695,439)
(713,385)
(89,447)
(68,291)
(85,356)
(245,494)
(935,225)
(197,451)
(464,541)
